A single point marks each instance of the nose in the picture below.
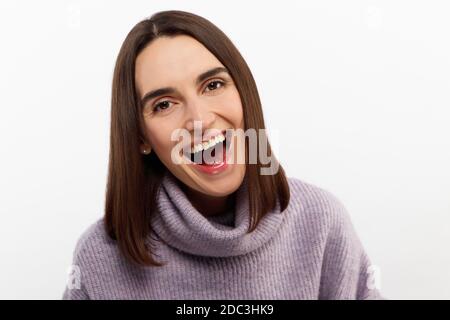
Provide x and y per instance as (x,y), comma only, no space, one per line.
(198,114)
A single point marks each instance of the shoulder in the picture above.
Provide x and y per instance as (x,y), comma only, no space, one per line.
(92,243)
(91,251)
(322,218)
(316,204)
(308,196)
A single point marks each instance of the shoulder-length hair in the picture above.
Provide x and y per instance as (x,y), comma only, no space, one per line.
(134,179)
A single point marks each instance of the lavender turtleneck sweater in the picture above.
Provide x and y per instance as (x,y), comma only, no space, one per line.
(309,251)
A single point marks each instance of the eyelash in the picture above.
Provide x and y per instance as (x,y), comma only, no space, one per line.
(222,83)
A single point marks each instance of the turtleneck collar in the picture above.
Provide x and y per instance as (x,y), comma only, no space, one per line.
(183,227)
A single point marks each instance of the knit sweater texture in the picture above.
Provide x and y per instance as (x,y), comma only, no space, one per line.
(308,251)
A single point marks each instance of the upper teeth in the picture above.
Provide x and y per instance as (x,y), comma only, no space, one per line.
(205,145)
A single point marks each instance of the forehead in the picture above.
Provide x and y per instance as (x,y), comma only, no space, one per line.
(167,61)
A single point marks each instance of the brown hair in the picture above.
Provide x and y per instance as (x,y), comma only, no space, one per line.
(134,179)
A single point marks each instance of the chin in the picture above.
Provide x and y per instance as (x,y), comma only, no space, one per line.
(218,186)
(221,190)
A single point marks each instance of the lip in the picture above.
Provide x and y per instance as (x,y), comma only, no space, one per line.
(212,169)
(215,168)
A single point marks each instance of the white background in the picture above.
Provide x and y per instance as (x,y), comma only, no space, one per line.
(358,92)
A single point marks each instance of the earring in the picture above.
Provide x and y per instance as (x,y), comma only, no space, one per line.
(146,151)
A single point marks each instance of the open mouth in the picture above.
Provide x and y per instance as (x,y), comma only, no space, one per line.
(208,156)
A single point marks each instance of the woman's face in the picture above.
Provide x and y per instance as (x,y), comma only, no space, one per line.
(212,101)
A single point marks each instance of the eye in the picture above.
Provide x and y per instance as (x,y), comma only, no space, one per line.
(213,85)
(165,104)
(161,106)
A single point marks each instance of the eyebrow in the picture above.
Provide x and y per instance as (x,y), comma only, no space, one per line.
(170,90)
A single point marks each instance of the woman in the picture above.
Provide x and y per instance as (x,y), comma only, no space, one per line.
(196,229)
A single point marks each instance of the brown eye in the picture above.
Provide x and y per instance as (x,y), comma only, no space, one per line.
(213,85)
(161,106)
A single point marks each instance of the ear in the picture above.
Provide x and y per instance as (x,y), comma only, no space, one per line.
(144,146)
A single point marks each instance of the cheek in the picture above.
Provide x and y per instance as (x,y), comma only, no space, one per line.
(159,138)
(233,109)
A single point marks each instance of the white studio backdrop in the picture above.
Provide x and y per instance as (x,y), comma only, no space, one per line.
(355,92)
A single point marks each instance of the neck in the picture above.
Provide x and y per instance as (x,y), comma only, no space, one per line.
(209,205)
